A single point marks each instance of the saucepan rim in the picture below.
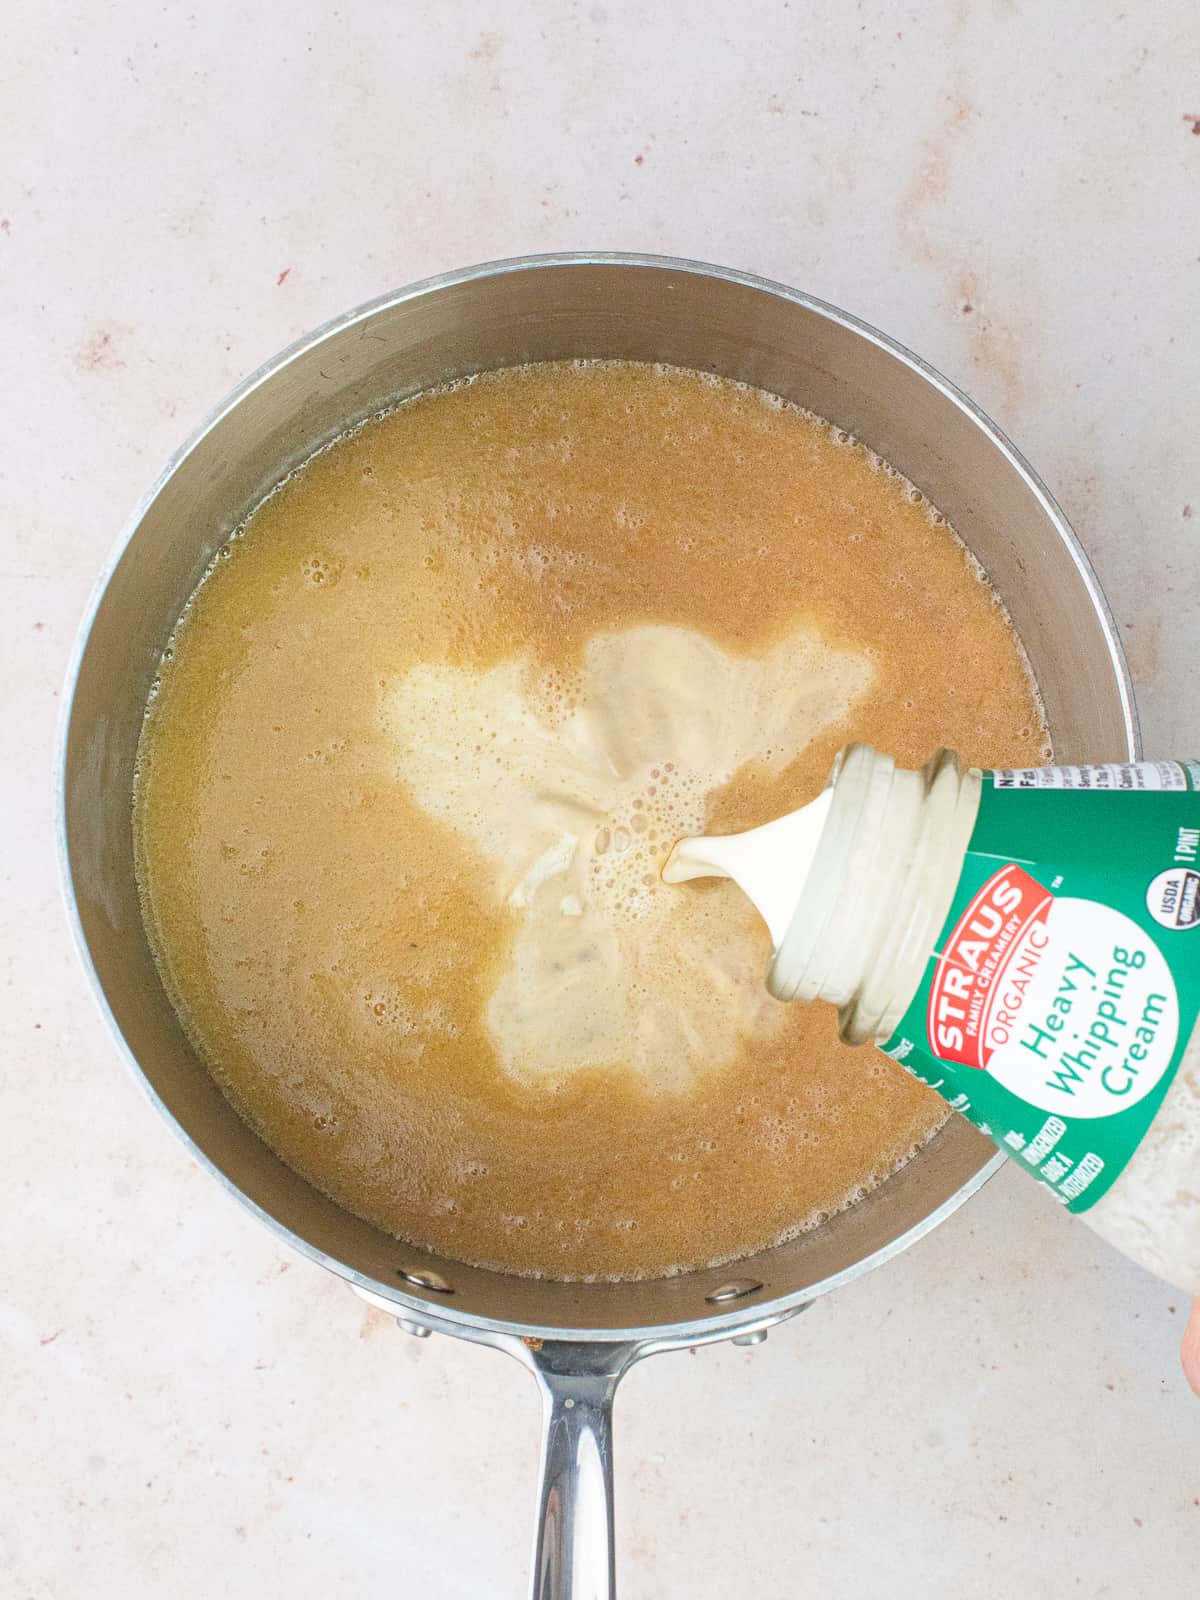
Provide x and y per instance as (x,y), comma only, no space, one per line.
(448,1316)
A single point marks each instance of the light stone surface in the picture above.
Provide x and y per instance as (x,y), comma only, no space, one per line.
(1011,188)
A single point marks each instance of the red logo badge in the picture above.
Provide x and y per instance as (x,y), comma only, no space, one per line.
(986,966)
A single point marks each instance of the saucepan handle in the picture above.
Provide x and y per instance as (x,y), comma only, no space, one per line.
(573,1551)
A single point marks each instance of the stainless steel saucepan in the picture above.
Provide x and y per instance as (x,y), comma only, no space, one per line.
(577,1339)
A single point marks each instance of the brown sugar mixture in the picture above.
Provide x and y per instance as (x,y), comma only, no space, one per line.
(420,744)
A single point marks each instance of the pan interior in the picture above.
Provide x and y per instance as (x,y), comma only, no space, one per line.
(639,311)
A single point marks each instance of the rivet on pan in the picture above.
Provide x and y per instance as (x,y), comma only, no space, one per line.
(755,1336)
(417,1329)
(425,1278)
(735,1289)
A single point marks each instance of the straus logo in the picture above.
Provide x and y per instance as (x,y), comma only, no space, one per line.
(986,967)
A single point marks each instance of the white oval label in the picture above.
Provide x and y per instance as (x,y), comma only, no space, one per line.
(1096,1022)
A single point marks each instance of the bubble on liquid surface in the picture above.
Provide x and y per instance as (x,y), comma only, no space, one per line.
(320,571)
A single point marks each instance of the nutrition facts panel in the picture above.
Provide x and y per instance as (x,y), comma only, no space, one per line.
(1133,775)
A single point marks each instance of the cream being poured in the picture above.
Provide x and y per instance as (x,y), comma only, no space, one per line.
(769,864)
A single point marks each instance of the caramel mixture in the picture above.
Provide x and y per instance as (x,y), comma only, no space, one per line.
(420,744)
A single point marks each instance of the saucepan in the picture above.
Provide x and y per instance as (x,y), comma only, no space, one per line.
(576,1339)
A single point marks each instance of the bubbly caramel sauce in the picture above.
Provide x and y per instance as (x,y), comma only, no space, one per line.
(389,787)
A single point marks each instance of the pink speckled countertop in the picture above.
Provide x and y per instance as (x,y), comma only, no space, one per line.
(1013,189)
